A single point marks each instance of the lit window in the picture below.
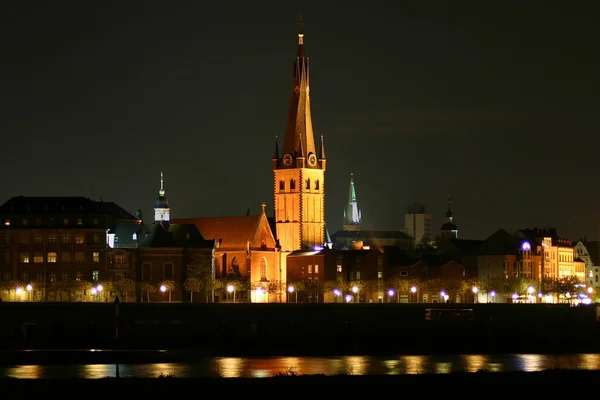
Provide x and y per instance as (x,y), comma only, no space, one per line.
(38,258)
(24,258)
(79,276)
(134,237)
(379,275)
(52,257)
(310,269)
(316,269)
(79,240)
(339,268)
(263,269)
(79,221)
(96,257)
(66,221)
(95,275)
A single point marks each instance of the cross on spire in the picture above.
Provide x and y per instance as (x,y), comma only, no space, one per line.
(301,23)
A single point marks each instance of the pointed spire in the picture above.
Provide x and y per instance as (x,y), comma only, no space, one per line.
(352,214)
(276,154)
(161,192)
(323,157)
(449,212)
(263,207)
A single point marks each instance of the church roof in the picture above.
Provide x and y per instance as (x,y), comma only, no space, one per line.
(161,202)
(228,232)
(449,226)
(160,236)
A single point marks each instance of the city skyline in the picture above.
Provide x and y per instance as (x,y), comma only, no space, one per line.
(103,112)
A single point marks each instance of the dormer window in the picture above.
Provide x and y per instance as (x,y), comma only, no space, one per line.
(134,237)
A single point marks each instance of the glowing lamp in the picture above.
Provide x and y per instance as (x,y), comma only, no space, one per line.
(413,289)
(19,291)
(493,293)
(525,246)
(354,289)
(390,292)
(163,288)
(348,298)
(291,289)
(29,288)
(230,288)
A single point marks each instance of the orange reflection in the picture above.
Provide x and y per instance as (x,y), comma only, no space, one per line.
(356,365)
(230,367)
(26,372)
(590,361)
(392,366)
(414,364)
(98,371)
(474,363)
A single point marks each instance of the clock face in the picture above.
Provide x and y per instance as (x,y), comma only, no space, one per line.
(312,160)
(287,160)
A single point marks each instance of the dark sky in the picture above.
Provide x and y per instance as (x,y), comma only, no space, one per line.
(493,102)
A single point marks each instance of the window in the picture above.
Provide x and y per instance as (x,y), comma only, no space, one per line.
(65,257)
(7,239)
(316,185)
(316,280)
(357,263)
(379,275)
(25,221)
(7,276)
(79,256)
(119,277)
(339,268)
(38,240)
(39,277)
(66,221)
(95,221)
(51,239)
(79,276)
(292,184)
(134,236)
(316,269)
(79,240)
(310,280)
(120,259)
(308,184)
(281,185)
(168,271)
(24,258)
(79,221)
(65,239)
(310,269)
(147,272)
(358,275)
(51,221)
(38,258)
(263,269)
(96,238)
(52,257)
(96,257)
(52,276)
(24,277)
(404,273)
(95,275)
(65,276)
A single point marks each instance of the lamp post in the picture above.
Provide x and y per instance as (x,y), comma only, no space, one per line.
(18,292)
(163,289)
(391,294)
(291,290)
(231,289)
(475,291)
(337,293)
(99,288)
(413,290)
(94,293)
(348,298)
(29,289)
(530,291)
(355,291)
(443,295)
(493,295)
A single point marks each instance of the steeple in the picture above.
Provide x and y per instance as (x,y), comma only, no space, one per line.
(162,210)
(449,230)
(352,215)
(299,140)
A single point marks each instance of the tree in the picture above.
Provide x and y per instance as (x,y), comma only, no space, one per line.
(82,287)
(201,267)
(147,288)
(125,286)
(169,286)
(193,285)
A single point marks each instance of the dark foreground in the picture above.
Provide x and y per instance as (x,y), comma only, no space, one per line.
(496,384)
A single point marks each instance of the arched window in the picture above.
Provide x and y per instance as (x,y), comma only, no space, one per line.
(292,184)
(168,271)
(317,184)
(146,271)
(263,269)
(308,184)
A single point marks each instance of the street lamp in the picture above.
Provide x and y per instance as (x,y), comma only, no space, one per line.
(493,294)
(590,290)
(348,298)
(29,289)
(99,288)
(19,292)
(413,290)
(355,291)
(230,289)
(260,291)
(475,291)
(292,289)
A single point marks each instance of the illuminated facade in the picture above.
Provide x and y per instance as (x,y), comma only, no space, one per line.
(162,211)
(449,230)
(352,214)
(58,245)
(299,172)
(589,253)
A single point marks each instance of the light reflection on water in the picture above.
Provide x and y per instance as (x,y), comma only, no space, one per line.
(229,367)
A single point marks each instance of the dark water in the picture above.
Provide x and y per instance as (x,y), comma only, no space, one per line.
(353,365)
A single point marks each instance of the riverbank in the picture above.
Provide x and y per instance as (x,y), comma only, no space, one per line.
(495,384)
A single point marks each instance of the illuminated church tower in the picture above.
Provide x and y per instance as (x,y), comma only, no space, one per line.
(449,230)
(352,215)
(162,212)
(299,173)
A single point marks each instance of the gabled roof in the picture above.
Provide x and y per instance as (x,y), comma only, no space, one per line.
(499,243)
(70,205)
(593,249)
(228,232)
(160,236)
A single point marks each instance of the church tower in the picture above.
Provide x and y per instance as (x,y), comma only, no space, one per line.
(299,173)
(449,230)
(352,215)
(162,212)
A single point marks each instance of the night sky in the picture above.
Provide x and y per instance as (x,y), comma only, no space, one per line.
(496,105)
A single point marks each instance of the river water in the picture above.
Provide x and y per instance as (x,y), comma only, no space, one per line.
(261,367)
